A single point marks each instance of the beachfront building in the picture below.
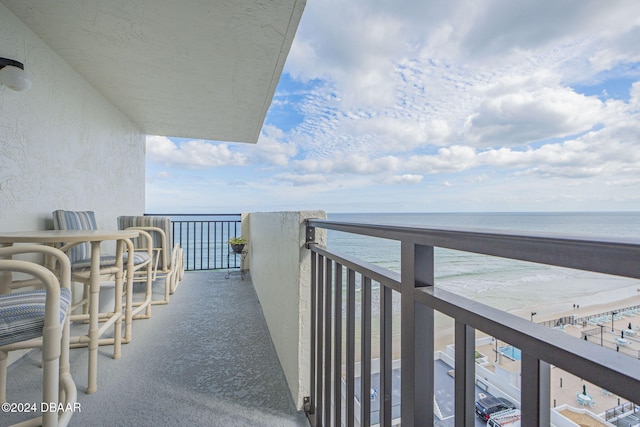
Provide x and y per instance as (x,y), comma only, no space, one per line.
(105,74)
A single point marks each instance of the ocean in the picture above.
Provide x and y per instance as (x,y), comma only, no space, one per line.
(505,284)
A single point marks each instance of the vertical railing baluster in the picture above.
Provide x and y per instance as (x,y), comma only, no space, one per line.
(195,246)
(327,341)
(215,244)
(535,391)
(209,237)
(228,254)
(224,247)
(465,374)
(351,347)
(319,337)
(201,243)
(417,364)
(187,246)
(337,354)
(386,356)
(314,310)
(175,235)
(235,233)
(208,245)
(192,242)
(188,242)
(196,238)
(182,245)
(365,352)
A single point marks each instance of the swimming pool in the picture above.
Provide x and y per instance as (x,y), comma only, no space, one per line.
(511,352)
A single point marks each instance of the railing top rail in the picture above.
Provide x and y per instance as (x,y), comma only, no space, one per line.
(381,275)
(611,370)
(618,256)
(192,214)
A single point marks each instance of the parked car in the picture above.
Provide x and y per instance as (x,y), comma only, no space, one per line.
(491,404)
(506,418)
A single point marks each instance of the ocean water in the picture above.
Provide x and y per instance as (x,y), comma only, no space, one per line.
(204,240)
(505,284)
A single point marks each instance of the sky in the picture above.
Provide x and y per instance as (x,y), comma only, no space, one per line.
(432,106)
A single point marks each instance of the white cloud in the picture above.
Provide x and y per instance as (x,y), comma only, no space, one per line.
(406,178)
(270,149)
(446,160)
(601,153)
(481,96)
(617,47)
(634,102)
(499,26)
(400,133)
(605,152)
(475,179)
(517,111)
(302,179)
(353,49)
(192,154)
(491,112)
(160,176)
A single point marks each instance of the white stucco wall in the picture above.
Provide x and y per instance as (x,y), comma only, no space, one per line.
(280,271)
(62,144)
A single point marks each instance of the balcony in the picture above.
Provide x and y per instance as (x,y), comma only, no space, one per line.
(204,359)
(98,134)
(314,329)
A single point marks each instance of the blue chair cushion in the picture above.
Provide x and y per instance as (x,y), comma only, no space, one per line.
(22,314)
(110,260)
(76,220)
(161,222)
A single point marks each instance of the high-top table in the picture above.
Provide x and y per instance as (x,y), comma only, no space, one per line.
(95,237)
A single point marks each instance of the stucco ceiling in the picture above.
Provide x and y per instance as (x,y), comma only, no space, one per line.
(189,68)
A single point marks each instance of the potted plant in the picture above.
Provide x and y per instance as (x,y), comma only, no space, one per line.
(237,244)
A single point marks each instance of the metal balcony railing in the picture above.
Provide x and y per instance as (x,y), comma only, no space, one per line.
(203,238)
(334,389)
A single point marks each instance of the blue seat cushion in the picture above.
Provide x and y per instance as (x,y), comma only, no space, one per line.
(110,260)
(76,220)
(22,314)
(161,222)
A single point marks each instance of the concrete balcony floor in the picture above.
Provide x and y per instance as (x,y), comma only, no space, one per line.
(206,359)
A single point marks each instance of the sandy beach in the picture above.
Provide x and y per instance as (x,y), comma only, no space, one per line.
(623,293)
(565,385)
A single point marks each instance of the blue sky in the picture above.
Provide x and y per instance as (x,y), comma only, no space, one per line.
(459,106)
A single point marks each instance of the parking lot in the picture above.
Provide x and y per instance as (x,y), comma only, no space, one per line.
(444,396)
